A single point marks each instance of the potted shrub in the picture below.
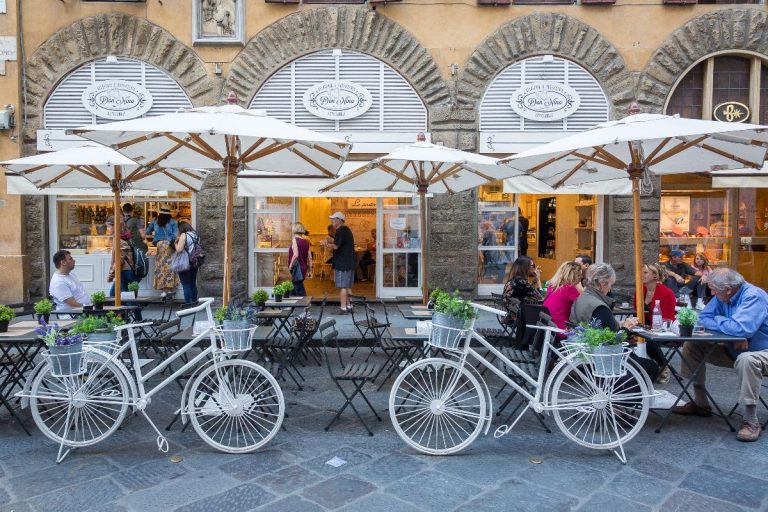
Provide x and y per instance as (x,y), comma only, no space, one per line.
(235,326)
(133,286)
(436,293)
(6,314)
(453,312)
(686,319)
(606,347)
(259,297)
(43,310)
(282,290)
(98,299)
(65,350)
(99,330)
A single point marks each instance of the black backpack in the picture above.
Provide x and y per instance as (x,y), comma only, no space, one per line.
(140,263)
(197,255)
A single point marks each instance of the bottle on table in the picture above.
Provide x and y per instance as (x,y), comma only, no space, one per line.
(656,316)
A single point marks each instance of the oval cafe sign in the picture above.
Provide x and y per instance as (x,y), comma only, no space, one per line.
(117,99)
(337,99)
(545,101)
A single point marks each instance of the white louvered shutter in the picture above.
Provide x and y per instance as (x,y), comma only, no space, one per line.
(64,108)
(395,105)
(496,114)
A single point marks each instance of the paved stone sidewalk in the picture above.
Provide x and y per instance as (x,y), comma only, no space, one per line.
(695,464)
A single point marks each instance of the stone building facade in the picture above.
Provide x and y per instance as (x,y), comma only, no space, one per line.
(450,69)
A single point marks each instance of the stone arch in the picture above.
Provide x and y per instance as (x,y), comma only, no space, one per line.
(354,28)
(546,33)
(717,31)
(117,34)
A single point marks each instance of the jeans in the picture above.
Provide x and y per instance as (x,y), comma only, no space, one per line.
(298,289)
(126,278)
(188,280)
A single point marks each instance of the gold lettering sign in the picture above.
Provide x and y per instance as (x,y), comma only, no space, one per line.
(731,112)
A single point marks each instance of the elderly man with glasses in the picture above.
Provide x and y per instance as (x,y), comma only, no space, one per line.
(737,309)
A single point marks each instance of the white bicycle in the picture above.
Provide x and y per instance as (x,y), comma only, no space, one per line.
(235,405)
(439,406)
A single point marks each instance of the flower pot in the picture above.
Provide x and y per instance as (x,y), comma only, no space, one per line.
(608,360)
(88,307)
(136,294)
(4,325)
(278,298)
(446,331)
(236,334)
(98,307)
(65,360)
(686,331)
(44,318)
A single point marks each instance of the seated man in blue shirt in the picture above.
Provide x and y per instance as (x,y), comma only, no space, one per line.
(737,309)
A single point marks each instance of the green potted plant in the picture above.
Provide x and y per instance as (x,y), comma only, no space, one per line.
(686,319)
(453,312)
(65,349)
(436,293)
(605,346)
(43,309)
(133,286)
(282,290)
(6,314)
(259,297)
(98,299)
(99,330)
(235,327)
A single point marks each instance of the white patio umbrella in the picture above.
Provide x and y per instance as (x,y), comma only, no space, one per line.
(421,168)
(741,178)
(638,144)
(97,170)
(226,137)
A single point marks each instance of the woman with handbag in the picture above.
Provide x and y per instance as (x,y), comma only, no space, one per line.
(165,231)
(185,246)
(299,259)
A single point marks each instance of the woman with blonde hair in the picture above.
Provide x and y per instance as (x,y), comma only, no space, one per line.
(564,288)
(299,259)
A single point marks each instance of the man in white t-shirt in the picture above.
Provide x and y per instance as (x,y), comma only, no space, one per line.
(66,289)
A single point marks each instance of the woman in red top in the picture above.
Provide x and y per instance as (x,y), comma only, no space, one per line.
(653,276)
(299,251)
(564,288)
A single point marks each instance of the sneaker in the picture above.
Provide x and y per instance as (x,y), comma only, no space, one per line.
(664,376)
(693,409)
(163,295)
(749,431)
(343,311)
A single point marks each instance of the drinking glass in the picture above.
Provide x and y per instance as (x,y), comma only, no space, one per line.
(698,329)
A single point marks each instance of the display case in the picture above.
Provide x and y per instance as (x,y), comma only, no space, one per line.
(585,225)
(547,225)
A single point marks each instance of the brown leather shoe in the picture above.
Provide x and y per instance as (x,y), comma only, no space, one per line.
(749,431)
(693,409)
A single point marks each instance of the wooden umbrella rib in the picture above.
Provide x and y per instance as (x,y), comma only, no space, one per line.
(397,173)
(182,143)
(449,189)
(436,170)
(609,158)
(318,166)
(179,181)
(163,156)
(34,169)
(657,149)
(475,172)
(391,186)
(130,142)
(252,148)
(635,155)
(357,172)
(273,148)
(602,161)
(93,173)
(321,149)
(570,173)
(675,150)
(545,163)
(55,179)
(214,155)
(731,156)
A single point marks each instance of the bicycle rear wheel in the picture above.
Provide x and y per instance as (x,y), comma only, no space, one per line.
(599,413)
(81,410)
(437,406)
(236,406)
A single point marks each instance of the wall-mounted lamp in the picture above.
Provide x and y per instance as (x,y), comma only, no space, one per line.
(217,69)
(7,117)
(454,69)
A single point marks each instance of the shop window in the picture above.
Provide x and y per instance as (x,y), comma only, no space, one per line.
(688,97)
(730,80)
(498,233)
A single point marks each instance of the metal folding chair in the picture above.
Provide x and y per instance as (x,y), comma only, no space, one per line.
(369,327)
(356,374)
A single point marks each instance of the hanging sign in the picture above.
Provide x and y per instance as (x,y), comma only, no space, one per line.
(731,112)
(545,101)
(117,99)
(337,99)
(361,203)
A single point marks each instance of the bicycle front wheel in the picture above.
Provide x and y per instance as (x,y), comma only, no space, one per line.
(599,413)
(236,406)
(437,406)
(81,410)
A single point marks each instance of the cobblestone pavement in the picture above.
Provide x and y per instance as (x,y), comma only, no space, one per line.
(694,464)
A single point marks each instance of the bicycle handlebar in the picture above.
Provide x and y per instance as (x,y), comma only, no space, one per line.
(130,326)
(489,309)
(204,303)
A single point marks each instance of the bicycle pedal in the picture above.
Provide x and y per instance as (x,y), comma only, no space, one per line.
(502,431)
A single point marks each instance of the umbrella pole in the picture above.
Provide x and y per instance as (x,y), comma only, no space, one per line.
(230,167)
(423,234)
(639,298)
(116,253)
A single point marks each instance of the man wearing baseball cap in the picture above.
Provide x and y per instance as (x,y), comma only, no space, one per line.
(677,270)
(343,259)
